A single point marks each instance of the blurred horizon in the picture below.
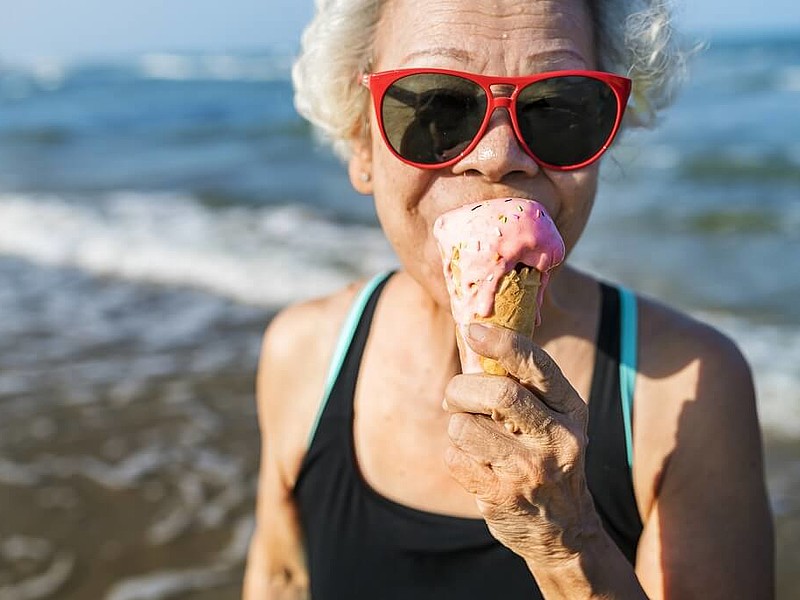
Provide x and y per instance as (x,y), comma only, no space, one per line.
(91,31)
(723,37)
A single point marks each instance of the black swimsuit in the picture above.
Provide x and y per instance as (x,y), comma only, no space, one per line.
(361,545)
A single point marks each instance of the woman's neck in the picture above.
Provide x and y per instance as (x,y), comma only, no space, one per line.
(569,298)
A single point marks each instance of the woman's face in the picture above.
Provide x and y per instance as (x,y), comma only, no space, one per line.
(492,37)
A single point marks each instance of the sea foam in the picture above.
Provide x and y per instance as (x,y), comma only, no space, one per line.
(267,256)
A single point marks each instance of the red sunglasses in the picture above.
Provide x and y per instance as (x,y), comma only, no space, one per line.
(431,118)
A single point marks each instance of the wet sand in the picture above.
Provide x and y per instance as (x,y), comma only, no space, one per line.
(128,467)
(783,479)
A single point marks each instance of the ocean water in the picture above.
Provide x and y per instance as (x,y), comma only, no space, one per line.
(155,211)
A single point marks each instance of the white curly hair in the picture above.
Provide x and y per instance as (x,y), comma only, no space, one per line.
(635,38)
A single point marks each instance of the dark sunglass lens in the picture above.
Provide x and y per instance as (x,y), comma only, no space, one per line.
(430,118)
(566,120)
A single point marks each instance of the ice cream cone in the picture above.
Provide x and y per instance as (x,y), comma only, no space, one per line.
(497,257)
(515,307)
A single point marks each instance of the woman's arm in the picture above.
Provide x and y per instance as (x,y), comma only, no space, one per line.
(709,530)
(275,565)
(519,443)
(297,349)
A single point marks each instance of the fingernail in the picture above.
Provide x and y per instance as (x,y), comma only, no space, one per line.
(478,332)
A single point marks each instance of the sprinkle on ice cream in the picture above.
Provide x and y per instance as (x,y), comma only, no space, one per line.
(485,241)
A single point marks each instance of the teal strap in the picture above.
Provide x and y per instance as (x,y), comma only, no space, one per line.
(343,344)
(627,363)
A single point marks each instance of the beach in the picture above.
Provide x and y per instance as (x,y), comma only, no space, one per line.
(130,446)
(145,245)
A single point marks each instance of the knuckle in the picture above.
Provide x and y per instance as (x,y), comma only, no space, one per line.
(489,507)
(527,349)
(543,373)
(524,352)
(498,496)
(531,369)
(547,423)
(568,469)
(452,458)
(512,342)
(457,426)
(548,368)
(529,470)
(508,394)
(572,447)
(452,389)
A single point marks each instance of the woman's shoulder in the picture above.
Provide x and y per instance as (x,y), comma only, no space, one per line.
(304,329)
(681,358)
(296,351)
(672,340)
(669,340)
(300,339)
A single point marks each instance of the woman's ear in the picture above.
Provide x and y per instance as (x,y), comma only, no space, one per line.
(360,166)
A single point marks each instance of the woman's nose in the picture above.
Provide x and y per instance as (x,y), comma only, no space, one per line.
(498,153)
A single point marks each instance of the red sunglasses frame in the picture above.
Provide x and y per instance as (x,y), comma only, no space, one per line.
(378,83)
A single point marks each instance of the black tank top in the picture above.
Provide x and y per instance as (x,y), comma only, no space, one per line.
(361,545)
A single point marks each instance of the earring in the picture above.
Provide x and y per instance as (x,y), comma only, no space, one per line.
(365,177)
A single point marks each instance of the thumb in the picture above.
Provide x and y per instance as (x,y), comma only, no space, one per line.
(527,363)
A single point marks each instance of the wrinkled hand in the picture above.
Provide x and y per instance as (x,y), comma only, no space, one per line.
(518,444)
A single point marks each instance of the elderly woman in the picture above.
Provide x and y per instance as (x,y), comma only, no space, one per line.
(636,468)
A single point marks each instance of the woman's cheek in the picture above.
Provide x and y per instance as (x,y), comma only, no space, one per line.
(577,194)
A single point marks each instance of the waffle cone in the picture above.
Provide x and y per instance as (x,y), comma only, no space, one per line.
(515,307)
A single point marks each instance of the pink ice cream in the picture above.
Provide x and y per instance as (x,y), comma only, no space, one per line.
(489,239)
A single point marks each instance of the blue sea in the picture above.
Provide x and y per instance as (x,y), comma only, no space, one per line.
(154,213)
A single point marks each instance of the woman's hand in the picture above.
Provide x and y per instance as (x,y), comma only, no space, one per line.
(518,444)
